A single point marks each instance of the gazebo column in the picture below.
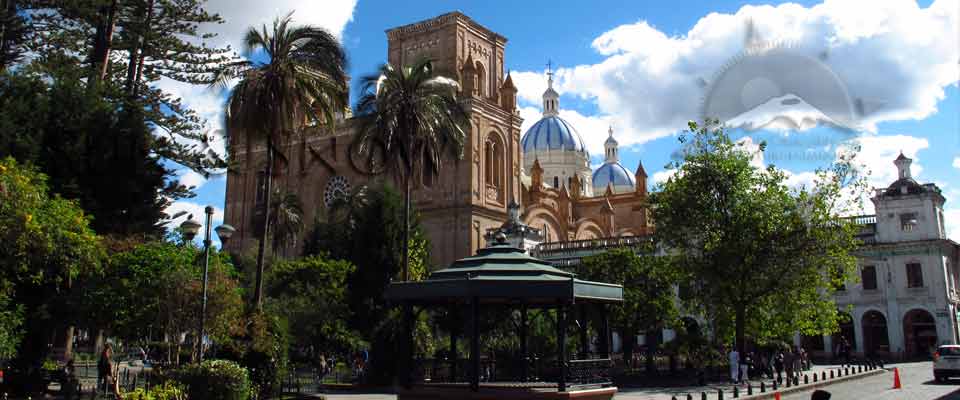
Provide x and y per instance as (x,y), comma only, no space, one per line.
(475,346)
(523,344)
(562,347)
(454,331)
(604,332)
(582,324)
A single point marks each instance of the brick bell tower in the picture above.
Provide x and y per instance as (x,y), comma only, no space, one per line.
(471,194)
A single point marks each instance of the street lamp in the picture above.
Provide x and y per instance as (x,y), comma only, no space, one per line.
(190,228)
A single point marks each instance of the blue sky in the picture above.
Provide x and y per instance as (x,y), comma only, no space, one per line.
(645,67)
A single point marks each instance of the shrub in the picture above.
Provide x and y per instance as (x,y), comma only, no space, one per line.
(216,380)
(167,391)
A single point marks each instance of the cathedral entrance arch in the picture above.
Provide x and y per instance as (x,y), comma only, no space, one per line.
(875,338)
(543,219)
(919,333)
(845,333)
(589,230)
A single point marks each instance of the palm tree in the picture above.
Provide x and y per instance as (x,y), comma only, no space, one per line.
(412,118)
(286,220)
(302,81)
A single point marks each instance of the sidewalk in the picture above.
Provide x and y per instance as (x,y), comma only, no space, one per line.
(712,391)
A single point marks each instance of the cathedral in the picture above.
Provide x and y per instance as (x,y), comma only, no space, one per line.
(545,169)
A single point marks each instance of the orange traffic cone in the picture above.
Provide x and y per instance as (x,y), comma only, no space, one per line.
(896,378)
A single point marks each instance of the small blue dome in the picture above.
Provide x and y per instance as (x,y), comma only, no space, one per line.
(615,174)
(552,133)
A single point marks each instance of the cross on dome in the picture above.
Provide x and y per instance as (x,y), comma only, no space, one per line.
(551,99)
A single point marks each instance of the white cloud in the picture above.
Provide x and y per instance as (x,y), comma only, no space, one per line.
(878,152)
(240,15)
(190,178)
(951,216)
(651,81)
(753,149)
(660,177)
(956,162)
(801,180)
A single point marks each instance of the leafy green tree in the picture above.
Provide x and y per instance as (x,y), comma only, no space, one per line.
(47,245)
(93,150)
(649,299)
(367,229)
(311,294)
(156,287)
(409,117)
(127,46)
(13,30)
(765,259)
(302,81)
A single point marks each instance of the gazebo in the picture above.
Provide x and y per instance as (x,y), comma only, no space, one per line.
(506,276)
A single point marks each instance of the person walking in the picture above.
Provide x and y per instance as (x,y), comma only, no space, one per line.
(778,365)
(107,372)
(789,361)
(734,357)
(745,361)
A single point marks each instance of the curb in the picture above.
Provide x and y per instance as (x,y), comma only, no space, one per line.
(811,386)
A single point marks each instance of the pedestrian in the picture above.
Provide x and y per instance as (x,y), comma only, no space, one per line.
(820,395)
(107,372)
(789,360)
(745,361)
(778,365)
(734,357)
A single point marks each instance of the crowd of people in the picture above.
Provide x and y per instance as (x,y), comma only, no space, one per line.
(777,363)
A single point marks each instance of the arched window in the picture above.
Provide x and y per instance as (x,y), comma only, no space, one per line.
(481,80)
(493,153)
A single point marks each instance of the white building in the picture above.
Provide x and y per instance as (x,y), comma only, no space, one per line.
(906,300)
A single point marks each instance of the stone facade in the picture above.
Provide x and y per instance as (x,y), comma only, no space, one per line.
(471,194)
(906,300)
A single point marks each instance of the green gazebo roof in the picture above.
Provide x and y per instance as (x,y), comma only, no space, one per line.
(503,274)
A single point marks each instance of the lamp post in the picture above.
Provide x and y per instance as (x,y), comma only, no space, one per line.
(190,229)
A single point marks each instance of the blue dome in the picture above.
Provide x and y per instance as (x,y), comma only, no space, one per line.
(552,133)
(615,174)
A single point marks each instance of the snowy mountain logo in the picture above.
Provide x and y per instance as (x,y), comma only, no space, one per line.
(777,86)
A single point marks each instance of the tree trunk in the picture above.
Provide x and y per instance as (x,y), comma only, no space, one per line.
(98,342)
(262,249)
(406,228)
(653,339)
(68,345)
(740,322)
(8,9)
(629,339)
(138,48)
(102,43)
(145,40)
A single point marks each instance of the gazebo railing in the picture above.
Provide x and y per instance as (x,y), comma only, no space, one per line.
(589,372)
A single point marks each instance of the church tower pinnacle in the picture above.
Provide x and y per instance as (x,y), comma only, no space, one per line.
(551,99)
(611,148)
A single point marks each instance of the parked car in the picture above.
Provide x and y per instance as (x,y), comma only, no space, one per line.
(946,362)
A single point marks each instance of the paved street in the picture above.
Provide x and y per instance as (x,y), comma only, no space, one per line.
(916,379)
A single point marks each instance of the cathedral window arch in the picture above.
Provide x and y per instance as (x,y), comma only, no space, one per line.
(494,170)
(481,80)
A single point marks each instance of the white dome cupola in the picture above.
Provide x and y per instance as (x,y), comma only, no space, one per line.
(612,174)
(556,145)
(611,147)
